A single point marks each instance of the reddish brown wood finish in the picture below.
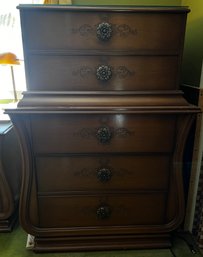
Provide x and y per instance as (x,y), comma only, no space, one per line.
(78,73)
(66,30)
(150,43)
(78,134)
(128,172)
(77,131)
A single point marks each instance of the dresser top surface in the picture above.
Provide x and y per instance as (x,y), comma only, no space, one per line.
(109,8)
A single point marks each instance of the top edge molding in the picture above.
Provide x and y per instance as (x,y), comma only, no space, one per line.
(105,8)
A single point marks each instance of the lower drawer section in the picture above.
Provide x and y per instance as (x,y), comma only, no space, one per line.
(102,172)
(102,210)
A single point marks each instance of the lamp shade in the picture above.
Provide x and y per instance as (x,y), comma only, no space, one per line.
(8,59)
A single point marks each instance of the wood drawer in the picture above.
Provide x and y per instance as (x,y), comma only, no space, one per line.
(61,133)
(104,210)
(84,72)
(108,172)
(54,30)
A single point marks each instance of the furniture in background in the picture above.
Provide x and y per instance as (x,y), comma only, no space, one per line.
(10,176)
(198,216)
(194,209)
(102,126)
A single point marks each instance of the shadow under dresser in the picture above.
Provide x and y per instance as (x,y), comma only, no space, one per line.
(102,126)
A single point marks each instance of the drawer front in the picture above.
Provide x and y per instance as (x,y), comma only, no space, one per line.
(119,210)
(52,30)
(133,172)
(102,133)
(102,73)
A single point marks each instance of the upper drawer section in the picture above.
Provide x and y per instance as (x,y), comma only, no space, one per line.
(67,29)
(62,73)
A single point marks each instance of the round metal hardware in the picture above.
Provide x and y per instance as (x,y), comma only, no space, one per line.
(103,212)
(104,174)
(104,31)
(104,73)
(104,135)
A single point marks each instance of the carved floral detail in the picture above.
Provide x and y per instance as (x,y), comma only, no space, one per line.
(84,30)
(122,30)
(88,133)
(88,172)
(121,72)
(122,133)
(83,72)
(104,135)
(85,172)
(103,73)
(103,163)
(120,210)
(104,31)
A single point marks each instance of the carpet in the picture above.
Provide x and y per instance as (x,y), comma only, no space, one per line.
(13,245)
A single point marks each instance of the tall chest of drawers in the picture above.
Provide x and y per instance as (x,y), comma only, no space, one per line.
(102,126)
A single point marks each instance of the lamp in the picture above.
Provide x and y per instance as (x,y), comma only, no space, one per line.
(10,59)
(57,2)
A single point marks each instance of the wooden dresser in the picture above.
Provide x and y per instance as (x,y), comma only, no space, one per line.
(102,126)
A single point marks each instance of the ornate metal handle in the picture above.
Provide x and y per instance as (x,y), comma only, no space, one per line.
(104,31)
(104,174)
(104,73)
(104,135)
(103,212)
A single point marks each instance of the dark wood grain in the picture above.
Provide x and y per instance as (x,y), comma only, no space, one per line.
(79,72)
(128,172)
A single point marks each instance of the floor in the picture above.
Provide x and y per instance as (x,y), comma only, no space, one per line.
(13,245)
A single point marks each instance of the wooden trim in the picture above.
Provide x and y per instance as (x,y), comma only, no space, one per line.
(109,8)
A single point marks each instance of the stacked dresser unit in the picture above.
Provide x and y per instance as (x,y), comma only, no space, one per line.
(102,126)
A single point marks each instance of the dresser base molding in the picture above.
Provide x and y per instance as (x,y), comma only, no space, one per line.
(6,225)
(94,243)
